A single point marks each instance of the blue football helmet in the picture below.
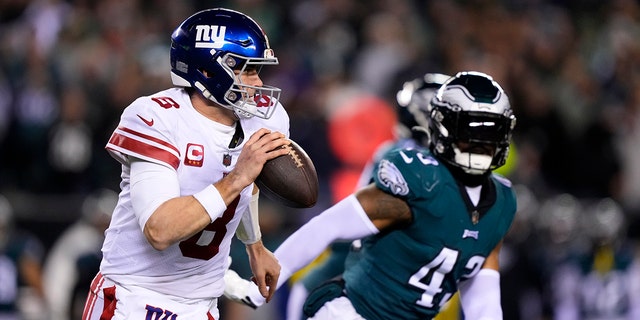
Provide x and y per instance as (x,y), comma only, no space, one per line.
(413,105)
(471,108)
(216,42)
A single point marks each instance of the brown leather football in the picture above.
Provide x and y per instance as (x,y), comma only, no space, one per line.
(290,179)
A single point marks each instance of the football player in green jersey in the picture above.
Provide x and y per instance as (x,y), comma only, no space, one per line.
(412,109)
(432,221)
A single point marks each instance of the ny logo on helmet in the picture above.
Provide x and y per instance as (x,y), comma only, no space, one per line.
(210,36)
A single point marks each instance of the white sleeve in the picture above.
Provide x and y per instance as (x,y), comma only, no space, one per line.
(248,230)
(346,220)
(151,185)
(480,296)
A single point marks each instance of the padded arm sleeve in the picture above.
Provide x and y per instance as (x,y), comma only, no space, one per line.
(346,220)
(151,185)
(480,296)
(249,228)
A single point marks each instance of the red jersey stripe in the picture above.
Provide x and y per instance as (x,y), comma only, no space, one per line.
(148,137)
(144,149)
(92,296)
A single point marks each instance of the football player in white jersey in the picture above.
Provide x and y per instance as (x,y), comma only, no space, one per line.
(189,157)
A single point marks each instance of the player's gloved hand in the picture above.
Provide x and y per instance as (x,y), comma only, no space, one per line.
(238,289)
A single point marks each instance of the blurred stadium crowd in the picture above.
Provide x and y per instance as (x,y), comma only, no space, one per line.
(571,68)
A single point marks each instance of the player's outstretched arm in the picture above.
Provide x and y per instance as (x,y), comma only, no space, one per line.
(383,209)
(355,217)
(345,220)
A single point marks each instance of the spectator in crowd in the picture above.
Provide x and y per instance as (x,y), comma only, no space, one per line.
(80,241)
(569,68)
(603,281)
(22,293)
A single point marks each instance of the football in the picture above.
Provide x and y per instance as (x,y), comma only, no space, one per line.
(290,179)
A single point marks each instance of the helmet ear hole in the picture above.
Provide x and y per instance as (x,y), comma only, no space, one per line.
(206,73)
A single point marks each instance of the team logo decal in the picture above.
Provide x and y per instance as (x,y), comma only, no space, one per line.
(210,36)
(470,234)
(390,177)
(159,313)
(195,155)
(145,120)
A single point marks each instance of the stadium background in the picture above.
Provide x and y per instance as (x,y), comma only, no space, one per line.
(571,68)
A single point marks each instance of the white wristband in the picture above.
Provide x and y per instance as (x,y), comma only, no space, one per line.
(212,201)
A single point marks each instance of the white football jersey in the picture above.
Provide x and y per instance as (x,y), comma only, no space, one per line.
(166,129)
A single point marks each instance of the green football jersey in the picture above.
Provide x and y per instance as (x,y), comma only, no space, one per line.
(329,268)
(410,273)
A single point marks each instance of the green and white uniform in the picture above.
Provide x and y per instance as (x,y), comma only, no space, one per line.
(410,273)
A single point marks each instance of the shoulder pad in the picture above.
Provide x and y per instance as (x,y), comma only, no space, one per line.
(146,130)
(504,181)
(401,171)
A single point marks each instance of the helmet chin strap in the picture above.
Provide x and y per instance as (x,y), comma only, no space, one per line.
(206,92)
(472,163)
(244,113)
(209,96)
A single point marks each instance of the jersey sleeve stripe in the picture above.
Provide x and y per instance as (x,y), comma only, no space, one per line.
(148,137)
(125,144)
